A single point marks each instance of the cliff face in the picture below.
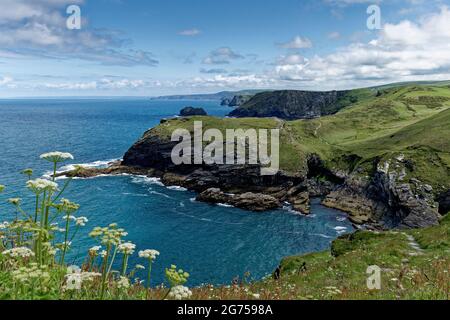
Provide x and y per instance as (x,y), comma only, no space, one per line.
(382,200)
(291,105)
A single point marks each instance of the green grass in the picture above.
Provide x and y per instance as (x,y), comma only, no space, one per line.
(382,123)
(406,273)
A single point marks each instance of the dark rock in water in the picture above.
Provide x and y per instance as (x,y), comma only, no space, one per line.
(191,111)
(248,201)
(292,104)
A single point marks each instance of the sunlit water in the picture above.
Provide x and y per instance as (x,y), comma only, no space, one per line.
(214,243)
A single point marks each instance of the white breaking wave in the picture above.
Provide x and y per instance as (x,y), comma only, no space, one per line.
(225,205)
(177,188)
(96,164)
(147,180)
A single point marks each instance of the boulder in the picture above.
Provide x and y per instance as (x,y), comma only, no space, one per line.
(191,111)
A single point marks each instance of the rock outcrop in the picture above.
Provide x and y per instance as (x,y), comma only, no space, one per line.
(191,111)
(380,196)
(292,104)
(248,201)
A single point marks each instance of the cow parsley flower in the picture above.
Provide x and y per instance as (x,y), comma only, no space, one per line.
(31,274)
(56,156)
(4,225)
(38,186)
(123,283)
(75,278)
(175,277)
(20,252)
(126,248)
(103,254)
(81,221)
(94,251)
(180,293)
(149,254)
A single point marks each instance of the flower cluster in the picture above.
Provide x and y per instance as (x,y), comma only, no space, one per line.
(123,283)
(29,275)
(20,252)
(81,221)
(126,248)
(175,277)
(56,156)
(110,235)
(75,278)
(39,186)
(149,254)
(180,293)
(67,206)
(93,252)
(4,225)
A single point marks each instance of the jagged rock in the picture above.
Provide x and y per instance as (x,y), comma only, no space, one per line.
(191,111)
(248,201)
(291,104)
(301,203)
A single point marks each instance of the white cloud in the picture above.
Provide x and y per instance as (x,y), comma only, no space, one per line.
(401,52)
(6,82)
(297,43)
(223,55)
(189,32)
(38,29)
(334,35)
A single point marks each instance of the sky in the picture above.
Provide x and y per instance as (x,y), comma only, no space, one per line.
(162,47)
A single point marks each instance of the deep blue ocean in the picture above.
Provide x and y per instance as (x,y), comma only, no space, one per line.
(213,243)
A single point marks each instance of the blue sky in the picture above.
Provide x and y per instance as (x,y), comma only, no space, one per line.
(147,48)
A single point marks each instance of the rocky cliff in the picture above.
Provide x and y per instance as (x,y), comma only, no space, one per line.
(292,104)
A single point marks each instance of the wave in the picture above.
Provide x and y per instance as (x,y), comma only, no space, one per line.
(146,180)
(321,235)
(90,165)
(225,205)
(177,188)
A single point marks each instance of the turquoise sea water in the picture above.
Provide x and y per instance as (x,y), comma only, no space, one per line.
(214,243)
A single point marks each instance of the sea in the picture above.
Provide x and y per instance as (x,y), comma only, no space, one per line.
(214,243)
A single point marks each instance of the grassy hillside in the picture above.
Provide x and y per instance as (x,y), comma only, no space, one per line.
(383,123)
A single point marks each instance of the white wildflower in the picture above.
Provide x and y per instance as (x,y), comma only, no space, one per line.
(123,283)
(73,282)
(29,275)
(81,221)
(4,225)
(57,156)
(140,267)
(256,296)
(38,186)
(126,248)
(75,278)
(180,293)
(94,250)
(103,254)
(20,252)
(148,254)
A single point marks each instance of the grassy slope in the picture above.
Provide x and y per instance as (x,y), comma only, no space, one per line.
(412,120)
(407,272)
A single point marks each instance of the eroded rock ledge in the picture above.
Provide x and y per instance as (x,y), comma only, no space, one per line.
(384,200)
